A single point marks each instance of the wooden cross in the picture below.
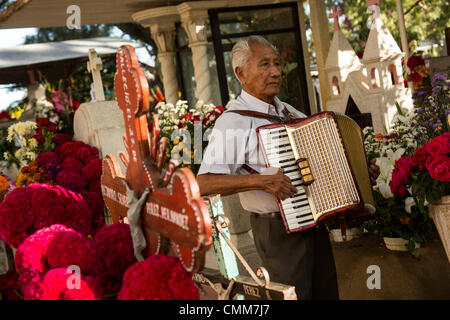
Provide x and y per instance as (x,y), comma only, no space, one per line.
(374,5)
(94,66)
(336,13)
(175,219)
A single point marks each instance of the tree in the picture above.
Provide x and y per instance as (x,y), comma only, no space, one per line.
(424,19)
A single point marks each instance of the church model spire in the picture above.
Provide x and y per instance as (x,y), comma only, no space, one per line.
(382,56)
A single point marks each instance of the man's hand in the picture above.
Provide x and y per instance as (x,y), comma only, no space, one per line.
(279,185)
(374,171)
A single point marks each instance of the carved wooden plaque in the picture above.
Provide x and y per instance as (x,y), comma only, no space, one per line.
(175,219)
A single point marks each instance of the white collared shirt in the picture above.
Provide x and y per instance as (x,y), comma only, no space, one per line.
(233,142)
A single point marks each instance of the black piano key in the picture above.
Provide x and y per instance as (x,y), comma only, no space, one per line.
(303,215)
(298,200)
(289,171)
(298,195)
(297,179)
(280,136)
(300,206)
(286,160)
(276,131)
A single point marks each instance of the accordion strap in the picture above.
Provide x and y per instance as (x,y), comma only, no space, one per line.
(255,114)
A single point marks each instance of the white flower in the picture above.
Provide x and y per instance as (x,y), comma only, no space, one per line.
(385,190)
(409,202)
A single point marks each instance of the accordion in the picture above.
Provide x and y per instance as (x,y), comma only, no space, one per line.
(325,159)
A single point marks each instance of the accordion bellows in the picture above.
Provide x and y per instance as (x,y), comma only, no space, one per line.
(325,158)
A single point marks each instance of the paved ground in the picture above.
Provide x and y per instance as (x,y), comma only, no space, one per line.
(402,275)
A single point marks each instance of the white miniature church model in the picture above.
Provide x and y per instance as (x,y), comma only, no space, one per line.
(367,89)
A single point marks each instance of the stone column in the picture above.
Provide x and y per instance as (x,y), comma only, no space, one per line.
(164,37)
(321,37)
(195,24)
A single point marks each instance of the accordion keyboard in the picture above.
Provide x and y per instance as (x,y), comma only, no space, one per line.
(278,150)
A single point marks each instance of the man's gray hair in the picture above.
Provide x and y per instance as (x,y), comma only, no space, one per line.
(241,52)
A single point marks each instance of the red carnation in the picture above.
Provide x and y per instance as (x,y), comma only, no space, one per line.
(51,127)
(86,154)
(72,164)
(159,277)
(96,186)
(415,61)
(93,170)
(400,175)
(28,209)
(439,145)
(420,157)
(54,286)
(42,122)
(115,254)
(439,168)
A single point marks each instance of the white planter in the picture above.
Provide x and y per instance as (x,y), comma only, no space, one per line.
(397,244)
(440,211)
(352,233)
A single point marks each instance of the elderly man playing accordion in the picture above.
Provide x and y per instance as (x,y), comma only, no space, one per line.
(233,163)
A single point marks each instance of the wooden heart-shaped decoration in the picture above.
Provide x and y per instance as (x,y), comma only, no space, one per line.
(173,217)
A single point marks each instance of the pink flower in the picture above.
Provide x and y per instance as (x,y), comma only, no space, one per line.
(400,175)
(439,168)
(159,277)
(439,145)
(53,286)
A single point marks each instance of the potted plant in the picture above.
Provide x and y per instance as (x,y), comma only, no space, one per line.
(400,225)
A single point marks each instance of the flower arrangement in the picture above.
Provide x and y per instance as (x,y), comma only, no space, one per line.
(408,178)
(419,73)
(433,108)
(28,209)
(33,173)
(22,133)
(158,277)
(179,124)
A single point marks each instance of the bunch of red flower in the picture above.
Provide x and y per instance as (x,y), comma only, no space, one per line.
(77,167)
(413,63)
(159,277)
(46,128)
(434,157)
(42,261)
(115,255)
(28,209)
(43,258)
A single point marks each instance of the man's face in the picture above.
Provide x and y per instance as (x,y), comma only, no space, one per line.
(262,77)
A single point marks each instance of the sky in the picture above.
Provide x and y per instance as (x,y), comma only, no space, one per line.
(16,37)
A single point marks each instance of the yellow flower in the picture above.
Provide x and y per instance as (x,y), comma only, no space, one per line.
(176,142)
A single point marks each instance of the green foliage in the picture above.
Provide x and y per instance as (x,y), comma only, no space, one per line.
(425,19)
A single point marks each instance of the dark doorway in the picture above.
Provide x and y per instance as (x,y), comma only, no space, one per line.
(277,23)
(352,111)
